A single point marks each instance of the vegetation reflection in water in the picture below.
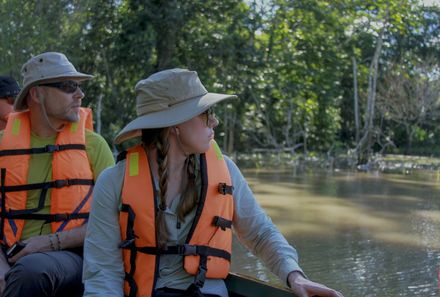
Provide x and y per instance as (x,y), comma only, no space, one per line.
(366,234)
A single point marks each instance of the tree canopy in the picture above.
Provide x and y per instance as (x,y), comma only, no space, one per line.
(303,70)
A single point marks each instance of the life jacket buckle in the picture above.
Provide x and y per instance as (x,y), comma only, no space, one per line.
(200,278)
(50,148)
(187,249)
(222,223)
(61,217)
(224,189)
(126,243)
(60,183)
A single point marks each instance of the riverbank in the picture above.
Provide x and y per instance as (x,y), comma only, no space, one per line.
(399,164)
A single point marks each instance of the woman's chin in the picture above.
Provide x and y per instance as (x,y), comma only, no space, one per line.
(203,149)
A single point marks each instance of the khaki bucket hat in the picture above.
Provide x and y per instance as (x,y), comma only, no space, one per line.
(168,98)
(46,67)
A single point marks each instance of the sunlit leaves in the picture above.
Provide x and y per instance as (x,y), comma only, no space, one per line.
(290,62)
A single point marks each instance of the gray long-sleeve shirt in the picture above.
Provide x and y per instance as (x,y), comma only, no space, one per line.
(103,265)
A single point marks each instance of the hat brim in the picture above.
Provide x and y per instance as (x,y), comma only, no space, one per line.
(20,104)
(174,115)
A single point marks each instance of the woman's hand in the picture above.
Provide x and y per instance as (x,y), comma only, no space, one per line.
(307,288)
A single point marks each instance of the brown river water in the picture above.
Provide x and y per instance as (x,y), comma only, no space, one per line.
(365,234)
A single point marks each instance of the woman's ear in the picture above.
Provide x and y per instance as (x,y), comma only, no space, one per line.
(34,95)
(176,129)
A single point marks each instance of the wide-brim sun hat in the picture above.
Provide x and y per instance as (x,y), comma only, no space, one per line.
(46,67)
(167,98)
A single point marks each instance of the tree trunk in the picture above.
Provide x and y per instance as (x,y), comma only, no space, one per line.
(356,100)
(230,133)
(363,148)
(409,138)
(165,46)
(305,143)
(229,119)
(288,127)
(167,20)
(98,113)
(226,128)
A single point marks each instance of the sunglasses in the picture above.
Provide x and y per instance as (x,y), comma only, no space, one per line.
(208,116)
(68,86)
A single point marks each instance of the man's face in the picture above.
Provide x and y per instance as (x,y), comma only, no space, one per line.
(6,106)
(62,100)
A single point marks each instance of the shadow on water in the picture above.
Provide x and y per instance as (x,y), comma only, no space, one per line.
(365,234)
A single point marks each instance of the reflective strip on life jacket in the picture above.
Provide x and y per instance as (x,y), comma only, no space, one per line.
(208,249)
(72,176)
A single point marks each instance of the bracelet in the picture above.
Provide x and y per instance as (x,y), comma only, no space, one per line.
(58,240)
(51,242)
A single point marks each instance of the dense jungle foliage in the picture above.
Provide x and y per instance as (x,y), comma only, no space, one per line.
(329,76)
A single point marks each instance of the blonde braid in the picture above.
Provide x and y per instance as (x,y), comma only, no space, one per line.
(159,138)
(189,196)
(162,146)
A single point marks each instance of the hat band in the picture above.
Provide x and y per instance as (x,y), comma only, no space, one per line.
(187,99)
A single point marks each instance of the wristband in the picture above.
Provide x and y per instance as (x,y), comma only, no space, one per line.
(51,242)
(58,240)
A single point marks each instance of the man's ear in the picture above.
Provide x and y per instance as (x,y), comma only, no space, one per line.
(176,129)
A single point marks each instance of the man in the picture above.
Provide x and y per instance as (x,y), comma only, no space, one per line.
(49,160)
(8,90)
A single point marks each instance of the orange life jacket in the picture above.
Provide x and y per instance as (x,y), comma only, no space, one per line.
(72,178)
(207,249)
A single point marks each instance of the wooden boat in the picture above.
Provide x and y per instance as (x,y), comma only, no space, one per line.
(245,286)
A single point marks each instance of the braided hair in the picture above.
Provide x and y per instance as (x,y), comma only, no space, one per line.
(158,138)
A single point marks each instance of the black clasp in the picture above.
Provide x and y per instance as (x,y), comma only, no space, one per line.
(61,183)
(224,189)
(187,249)
(200,278)
(126,243)
(52,148)
(222,223)
(61,217)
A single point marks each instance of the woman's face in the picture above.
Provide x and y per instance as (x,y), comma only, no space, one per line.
(196,134)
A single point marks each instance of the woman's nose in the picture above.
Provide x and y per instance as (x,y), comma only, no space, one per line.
(214,122)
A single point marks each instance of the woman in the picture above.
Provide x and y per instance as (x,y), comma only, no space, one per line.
(161,218)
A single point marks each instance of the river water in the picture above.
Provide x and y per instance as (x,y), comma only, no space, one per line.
(365,234)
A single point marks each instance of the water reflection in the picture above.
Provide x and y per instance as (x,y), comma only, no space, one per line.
(364,234)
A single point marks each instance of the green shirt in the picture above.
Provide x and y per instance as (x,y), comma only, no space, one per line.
(40,170)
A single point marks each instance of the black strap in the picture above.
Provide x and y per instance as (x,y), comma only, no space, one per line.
(42,150)
(49,218)
(132,283)
(30,214)
(222,223)
(121,156)
(185,250)
(128,243)
(60,183)
(199,279)
(224,189)
(130,237)
(3,202)
(194,291)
